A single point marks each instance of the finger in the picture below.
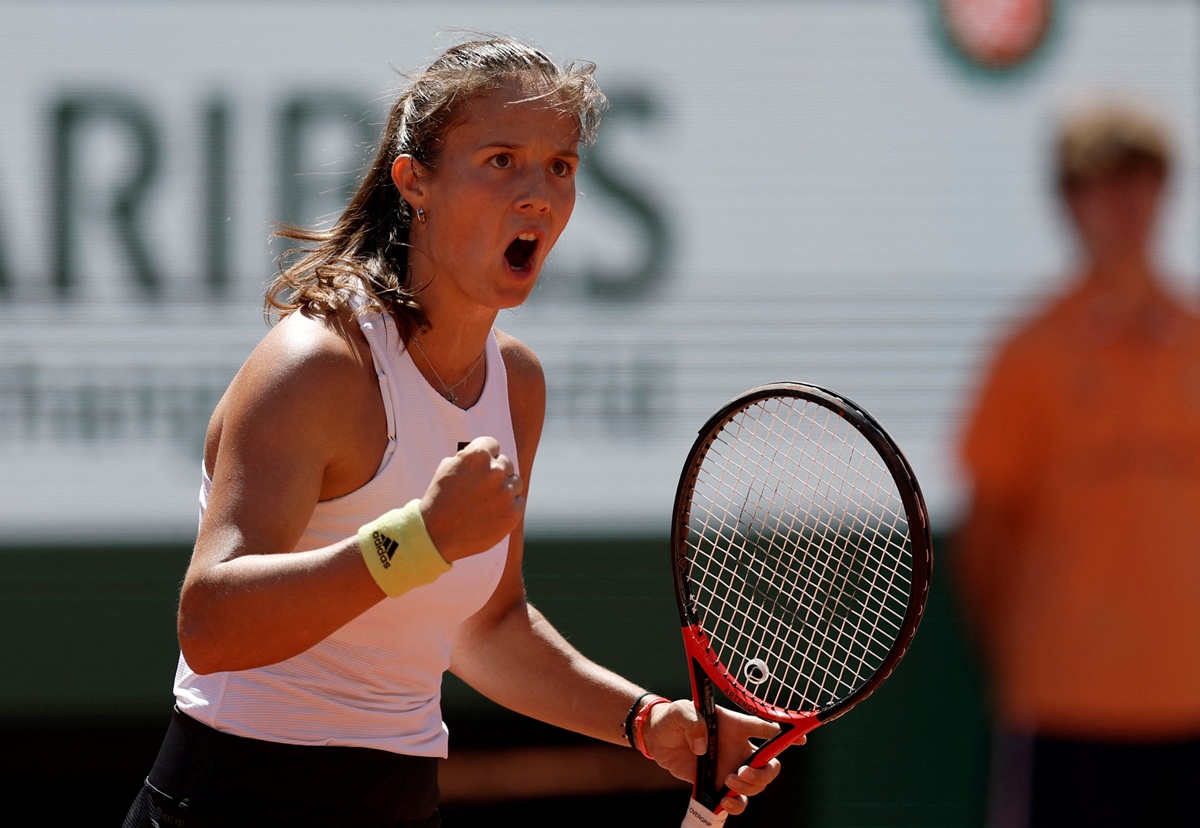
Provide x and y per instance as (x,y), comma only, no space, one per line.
(504,464)
(756,728)
(697,736)
(489,444)
(750,781)
(734,804)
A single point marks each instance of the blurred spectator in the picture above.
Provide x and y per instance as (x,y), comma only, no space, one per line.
(1079,555)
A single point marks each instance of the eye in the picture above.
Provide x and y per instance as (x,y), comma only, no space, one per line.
(502,161)
(562,168)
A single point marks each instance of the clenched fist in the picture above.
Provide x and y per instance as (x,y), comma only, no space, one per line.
(476,499)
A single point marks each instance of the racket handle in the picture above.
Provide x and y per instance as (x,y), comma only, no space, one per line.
(700,817)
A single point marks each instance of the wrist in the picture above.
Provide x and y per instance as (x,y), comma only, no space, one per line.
(398,551)
(640,722)
(634,709)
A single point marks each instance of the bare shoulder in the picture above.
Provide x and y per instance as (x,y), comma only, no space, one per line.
(324,352)
(526,393)
(525,374)
(321,338)
(309,382)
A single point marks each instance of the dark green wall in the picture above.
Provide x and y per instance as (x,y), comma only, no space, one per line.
(89,653)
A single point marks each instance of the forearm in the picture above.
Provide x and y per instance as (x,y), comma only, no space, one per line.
(259,609)
(524,664)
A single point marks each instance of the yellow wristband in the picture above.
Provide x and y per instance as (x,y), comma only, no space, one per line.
(399,552)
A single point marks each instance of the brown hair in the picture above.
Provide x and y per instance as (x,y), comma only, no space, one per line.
(367,248)
(1109,138)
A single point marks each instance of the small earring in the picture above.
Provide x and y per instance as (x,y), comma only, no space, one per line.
(421,215)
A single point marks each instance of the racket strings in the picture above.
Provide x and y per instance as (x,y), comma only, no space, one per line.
(800,564)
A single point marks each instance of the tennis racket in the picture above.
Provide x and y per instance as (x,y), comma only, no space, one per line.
(802,556)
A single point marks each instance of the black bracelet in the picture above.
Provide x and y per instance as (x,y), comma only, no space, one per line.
(633,710)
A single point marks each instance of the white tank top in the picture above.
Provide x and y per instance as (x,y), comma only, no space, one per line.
(376,682)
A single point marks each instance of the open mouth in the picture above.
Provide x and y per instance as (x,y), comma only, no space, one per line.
(520,252)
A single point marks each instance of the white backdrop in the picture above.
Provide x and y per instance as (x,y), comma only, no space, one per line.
(807,190)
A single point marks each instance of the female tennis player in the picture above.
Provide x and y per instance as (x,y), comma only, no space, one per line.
(364,487)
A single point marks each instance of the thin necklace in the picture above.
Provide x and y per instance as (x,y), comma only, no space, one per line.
(447,389)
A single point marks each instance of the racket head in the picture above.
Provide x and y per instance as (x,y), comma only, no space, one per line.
(801,554)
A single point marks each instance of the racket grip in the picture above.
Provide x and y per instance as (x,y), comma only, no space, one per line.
(700,817)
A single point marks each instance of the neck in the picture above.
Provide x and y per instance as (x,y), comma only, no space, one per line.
(1130,279)
(446,372)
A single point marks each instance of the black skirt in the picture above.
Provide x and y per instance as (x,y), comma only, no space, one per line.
(203,778)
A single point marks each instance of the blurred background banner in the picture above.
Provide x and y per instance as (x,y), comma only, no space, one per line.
(824,191)
(852,193)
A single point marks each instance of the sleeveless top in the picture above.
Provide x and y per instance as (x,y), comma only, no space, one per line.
(376,682)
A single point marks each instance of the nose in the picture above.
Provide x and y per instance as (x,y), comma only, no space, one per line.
(535,195)
(533,203)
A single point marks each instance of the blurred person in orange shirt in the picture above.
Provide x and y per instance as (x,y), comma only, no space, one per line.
(1079,555)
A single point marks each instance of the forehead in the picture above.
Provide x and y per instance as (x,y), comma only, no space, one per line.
(515,112)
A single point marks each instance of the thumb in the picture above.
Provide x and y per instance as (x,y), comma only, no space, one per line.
(762,729)
(697,734)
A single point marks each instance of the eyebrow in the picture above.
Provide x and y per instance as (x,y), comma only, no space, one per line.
(568,153)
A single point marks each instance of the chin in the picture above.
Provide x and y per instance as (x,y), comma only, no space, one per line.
(516,295)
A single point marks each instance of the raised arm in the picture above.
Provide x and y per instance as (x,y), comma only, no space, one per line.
(303,422)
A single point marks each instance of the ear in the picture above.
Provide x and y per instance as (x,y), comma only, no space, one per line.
(409,177)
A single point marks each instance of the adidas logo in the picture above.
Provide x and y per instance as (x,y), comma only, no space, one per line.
(385,548)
